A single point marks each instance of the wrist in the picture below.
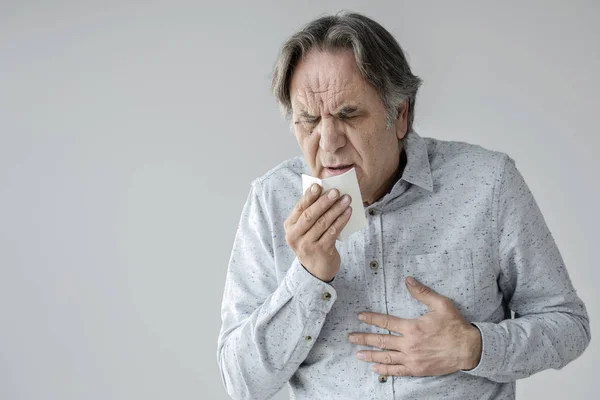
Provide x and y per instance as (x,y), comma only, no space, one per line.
(325,279)
(473,348)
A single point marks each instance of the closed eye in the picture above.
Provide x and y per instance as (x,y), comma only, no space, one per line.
(307,120)
(347,113)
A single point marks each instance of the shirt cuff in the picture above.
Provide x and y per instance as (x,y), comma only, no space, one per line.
(493,351)
(308,289)
(315,276)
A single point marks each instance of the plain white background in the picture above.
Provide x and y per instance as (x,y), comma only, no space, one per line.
(130,132)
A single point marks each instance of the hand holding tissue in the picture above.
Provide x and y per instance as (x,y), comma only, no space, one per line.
(346,183)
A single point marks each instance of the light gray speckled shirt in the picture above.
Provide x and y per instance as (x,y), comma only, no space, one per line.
(462,221)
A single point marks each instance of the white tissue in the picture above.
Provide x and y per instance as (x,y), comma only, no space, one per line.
(346,183)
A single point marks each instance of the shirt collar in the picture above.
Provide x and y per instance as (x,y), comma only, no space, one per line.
(417,170)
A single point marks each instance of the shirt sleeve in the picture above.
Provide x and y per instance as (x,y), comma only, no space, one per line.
(551,324)
(268,328)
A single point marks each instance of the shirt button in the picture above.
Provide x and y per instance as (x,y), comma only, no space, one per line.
(382,378)
(326,296)
(372,211)
(374,265)
(308,337)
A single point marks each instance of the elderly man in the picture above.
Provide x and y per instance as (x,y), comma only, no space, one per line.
(416,305)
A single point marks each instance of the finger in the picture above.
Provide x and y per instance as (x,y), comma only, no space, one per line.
(328,238)
(386,321)
(310,196)
(393,370)
(327,219)
(382,341)
(426,295)
(382,357)
(312,214)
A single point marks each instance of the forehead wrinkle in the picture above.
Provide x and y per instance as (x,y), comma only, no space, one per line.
(321,91)
(340,98)
(304,103)
(327,100)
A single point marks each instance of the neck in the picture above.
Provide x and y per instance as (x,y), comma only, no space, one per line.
(389,184)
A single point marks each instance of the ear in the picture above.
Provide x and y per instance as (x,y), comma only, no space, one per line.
(402,120)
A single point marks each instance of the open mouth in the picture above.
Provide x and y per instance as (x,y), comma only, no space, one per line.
(338,170)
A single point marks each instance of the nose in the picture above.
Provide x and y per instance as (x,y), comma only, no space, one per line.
(332,138)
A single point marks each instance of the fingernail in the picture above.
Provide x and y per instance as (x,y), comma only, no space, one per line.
(361,317)
(411,281)
(346,199)
(361,356)
(333,194)
(352,338)
(314,188)
(348,210)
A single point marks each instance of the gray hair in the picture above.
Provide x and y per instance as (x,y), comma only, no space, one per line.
(378,56)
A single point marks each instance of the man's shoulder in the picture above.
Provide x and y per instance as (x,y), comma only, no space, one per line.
(456,156)
(284,176)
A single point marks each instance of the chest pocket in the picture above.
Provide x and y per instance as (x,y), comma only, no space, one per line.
(449,273)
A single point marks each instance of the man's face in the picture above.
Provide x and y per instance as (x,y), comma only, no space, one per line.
(339,122)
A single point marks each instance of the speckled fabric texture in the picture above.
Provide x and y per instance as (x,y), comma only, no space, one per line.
(461,220)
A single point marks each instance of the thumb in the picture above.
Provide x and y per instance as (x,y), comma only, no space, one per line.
(424,294)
